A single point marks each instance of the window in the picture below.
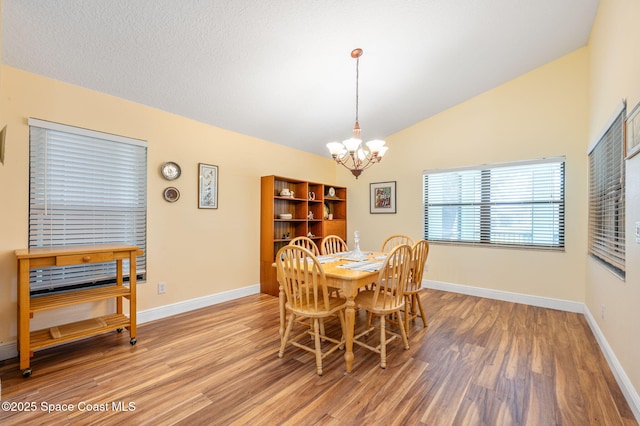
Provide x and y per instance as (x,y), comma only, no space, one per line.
(606,197)
(513,204)
(85,187)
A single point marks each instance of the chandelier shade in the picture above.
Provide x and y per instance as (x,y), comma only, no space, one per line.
(350,152)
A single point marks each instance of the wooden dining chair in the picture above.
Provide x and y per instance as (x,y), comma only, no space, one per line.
(307,243)
(386,298)
(305,288)
(394,241)
(413,303)
(332,244)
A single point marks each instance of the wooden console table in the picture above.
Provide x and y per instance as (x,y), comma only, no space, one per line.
(29,341)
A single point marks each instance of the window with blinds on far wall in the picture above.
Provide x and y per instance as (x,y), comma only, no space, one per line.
(519,204)
(85,187)
(606,197)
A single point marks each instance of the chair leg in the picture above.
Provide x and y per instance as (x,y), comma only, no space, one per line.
(322,333)
(343,328)
(403,333)
(316,332)
(411,312)
(285,338)
(424,317)
(414,301)
(408,307)
(383,342)
(369,319)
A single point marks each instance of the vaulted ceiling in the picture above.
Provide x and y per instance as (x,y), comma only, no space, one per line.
(281,70)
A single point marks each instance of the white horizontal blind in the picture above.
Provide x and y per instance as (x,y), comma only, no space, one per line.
(606,198)
(514,204)
(85,188)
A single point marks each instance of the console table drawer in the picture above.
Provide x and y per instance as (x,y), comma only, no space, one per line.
(78,259)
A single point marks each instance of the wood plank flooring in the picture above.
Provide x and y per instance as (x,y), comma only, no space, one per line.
(480,362)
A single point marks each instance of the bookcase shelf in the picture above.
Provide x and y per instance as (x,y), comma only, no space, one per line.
(310,209)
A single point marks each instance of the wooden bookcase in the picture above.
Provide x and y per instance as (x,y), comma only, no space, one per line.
(29,340)
(308,197)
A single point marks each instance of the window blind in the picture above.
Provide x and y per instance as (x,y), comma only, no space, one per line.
(513,204)
(606,197)
(85,187)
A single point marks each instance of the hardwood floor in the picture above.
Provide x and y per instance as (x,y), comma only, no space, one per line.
(480,362)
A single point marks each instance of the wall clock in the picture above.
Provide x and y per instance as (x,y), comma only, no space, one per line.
(170,170)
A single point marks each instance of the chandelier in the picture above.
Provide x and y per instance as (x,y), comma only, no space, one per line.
(350,152)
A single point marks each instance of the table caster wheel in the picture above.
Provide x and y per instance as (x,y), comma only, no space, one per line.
(26,372)
(133,341)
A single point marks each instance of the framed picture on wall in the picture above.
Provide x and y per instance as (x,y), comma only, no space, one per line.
(3,133)
(632,132)
(382,198)
(208,186)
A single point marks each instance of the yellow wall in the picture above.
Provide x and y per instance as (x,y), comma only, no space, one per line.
(614,67)
(0,47)
(1,104)
(197,252)
(540,114)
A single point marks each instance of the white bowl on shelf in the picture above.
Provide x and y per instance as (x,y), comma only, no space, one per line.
(286,216)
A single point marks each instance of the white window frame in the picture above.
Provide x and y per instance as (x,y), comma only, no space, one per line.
(85,187)
(606,231)
(517,204)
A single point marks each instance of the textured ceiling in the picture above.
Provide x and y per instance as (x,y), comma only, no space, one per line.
(281,70)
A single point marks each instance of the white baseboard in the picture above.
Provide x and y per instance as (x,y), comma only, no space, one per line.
(190,305)
(630,393)
(543,302)
(8,350)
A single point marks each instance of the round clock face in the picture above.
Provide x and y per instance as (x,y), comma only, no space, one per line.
(170,170)
(332,192)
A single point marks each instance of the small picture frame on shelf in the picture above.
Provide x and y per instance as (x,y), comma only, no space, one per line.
(382,197)
(632,132)
(207,186)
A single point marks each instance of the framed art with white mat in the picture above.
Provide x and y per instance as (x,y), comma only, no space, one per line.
(382,198)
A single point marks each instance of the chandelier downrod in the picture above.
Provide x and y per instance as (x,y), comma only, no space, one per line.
(356,53)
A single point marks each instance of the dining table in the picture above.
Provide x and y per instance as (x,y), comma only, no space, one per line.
(349,273)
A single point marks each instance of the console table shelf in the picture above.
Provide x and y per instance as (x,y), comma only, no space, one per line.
(43,303)
(41,339)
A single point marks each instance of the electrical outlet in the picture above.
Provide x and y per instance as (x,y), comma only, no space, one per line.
(162,287)
(602,311)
